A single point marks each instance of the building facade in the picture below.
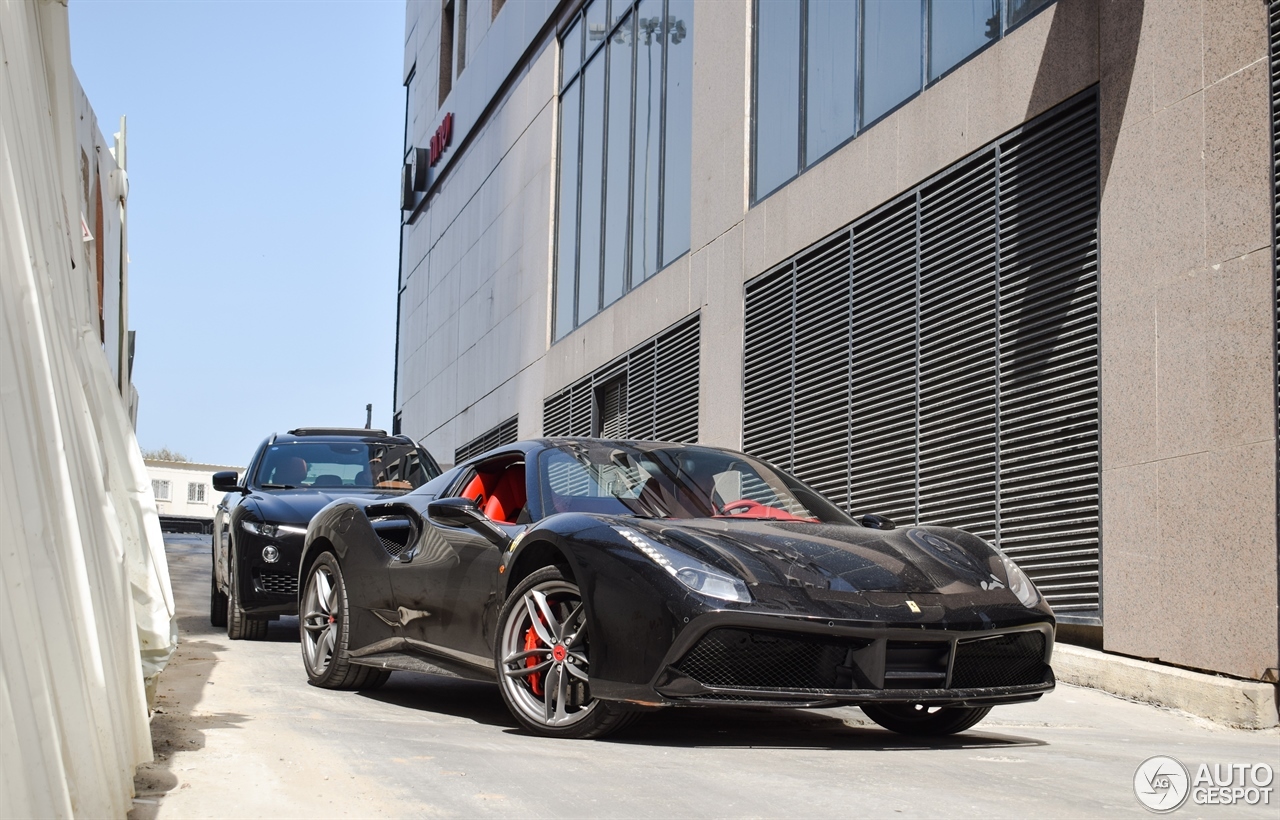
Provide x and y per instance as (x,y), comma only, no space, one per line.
(1004,264)
(184,490)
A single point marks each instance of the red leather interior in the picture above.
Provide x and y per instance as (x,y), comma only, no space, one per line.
(499,495)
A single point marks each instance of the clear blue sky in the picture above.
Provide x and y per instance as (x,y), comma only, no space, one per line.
(264,158)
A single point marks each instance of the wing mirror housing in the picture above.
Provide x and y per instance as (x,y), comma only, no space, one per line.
(877,522)
(228,482)
(463,512)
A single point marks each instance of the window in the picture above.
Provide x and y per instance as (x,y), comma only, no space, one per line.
(446,51)
(195,493)
(827,69)
(626,134)
(462,36)
(160,489)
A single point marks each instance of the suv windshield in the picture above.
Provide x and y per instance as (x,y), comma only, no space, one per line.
(321,464)
(674,481)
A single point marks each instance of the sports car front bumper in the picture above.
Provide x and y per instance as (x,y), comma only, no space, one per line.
(724,658)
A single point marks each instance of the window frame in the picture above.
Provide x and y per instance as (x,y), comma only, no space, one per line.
(804,163)
(165,484)
(625,13)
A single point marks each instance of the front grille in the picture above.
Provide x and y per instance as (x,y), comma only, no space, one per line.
(742,658)
(277,583)
(749,659)
(1016,659)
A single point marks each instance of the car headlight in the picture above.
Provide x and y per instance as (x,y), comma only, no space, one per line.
(1019,583)
(272,530)
(696,575)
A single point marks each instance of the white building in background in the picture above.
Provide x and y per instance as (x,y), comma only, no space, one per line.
(184,489)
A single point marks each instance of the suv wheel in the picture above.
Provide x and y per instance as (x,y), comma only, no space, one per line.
(239,625)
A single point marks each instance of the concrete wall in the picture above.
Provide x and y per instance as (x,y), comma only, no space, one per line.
(1189,450)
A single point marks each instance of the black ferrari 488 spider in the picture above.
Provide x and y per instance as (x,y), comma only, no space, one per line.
(596,579)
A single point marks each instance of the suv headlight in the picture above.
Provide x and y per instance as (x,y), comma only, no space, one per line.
(272,530)
(696,575)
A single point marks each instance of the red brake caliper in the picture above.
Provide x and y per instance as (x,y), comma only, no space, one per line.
(531,641)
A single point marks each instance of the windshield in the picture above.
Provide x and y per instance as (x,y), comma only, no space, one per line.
(338,464)
(674,481)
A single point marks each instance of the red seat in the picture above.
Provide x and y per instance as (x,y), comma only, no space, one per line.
(499,495)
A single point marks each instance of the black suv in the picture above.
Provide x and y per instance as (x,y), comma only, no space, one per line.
(261,523)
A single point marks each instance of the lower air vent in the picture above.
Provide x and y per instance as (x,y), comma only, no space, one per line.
(742,658)
(277,583)
(1016,659)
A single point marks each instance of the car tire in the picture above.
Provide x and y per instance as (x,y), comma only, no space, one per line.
(918,719)
(239,625)
(325,631)
(217,600)
(543,665)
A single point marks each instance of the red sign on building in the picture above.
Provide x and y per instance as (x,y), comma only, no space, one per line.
(441,139)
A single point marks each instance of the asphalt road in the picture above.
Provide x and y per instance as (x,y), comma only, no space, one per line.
(238,732)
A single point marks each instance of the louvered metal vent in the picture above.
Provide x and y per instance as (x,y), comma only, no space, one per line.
(937,361)
(650,392)
(1273,10)
(504,433)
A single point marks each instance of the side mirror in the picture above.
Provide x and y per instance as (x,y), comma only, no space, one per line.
(227,482)
(463,512)
(877,522)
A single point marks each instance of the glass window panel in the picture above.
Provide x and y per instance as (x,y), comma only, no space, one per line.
(832,76)
(648,119)
(679,130)
(572,46)
(592,184)
(1020,10)
(567,240)
(618,178)
(891,34)
(958,28)
(777,113)
(597,24)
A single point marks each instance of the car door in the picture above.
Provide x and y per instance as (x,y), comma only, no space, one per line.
(446,590)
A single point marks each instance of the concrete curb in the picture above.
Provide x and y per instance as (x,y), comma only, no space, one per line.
(1244,704)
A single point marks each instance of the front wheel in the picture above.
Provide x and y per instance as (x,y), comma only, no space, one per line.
(239,625)
(918,719)
(217,600)
(326,632)
(543,660)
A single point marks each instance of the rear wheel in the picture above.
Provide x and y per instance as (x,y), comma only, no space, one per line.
(542,657)
(217,600)
(239,625)
(918,719)
(326,632)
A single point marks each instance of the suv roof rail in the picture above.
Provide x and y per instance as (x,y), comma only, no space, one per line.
(336,431)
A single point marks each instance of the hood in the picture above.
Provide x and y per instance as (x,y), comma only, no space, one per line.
(298,507)
(834,559)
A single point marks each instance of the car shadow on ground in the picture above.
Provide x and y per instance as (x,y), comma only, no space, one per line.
(694,727)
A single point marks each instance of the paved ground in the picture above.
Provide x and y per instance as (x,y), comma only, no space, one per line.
(239,733)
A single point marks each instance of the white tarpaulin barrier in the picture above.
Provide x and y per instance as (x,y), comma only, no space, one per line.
(85,602)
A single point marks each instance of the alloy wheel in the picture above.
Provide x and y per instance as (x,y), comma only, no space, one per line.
(545,663)
(320,620)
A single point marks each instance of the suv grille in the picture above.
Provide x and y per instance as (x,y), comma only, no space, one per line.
(1005,660)
(276,582)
